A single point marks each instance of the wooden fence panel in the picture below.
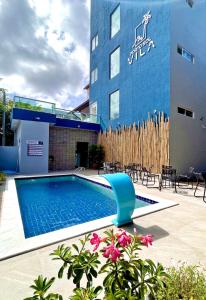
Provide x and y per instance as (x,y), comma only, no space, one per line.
(147,143)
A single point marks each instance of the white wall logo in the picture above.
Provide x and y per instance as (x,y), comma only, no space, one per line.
(143,43)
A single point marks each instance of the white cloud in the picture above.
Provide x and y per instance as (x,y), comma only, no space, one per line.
(45,50)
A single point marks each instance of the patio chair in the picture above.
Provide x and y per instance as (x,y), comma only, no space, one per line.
(167,167)
(107,167)
(149,177)
(167,178)
(138,171)
(201,181)
(186,179)
(138,168)
(132,171)
(118,167)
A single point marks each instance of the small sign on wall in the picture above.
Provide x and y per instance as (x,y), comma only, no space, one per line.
(34,148)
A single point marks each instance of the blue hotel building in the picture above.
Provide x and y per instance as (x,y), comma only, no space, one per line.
(150,57)
(147,57)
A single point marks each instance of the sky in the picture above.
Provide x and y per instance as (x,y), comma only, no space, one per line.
(44,49)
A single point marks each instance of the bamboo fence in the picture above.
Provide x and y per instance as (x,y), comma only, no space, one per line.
(146,143)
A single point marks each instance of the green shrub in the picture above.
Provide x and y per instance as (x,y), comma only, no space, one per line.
(41,286)
(184,282)
(126,276)
(28,106)
(96,156)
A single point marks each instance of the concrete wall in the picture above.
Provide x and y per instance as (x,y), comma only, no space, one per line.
(62,146)
(144,85)
(31,130)
(8,158)
(188,86)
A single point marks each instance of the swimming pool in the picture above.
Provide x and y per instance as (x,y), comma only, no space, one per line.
(51,203)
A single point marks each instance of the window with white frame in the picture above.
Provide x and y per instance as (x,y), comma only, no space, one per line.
(95,42)
(94,75)
(115,22)
(186,54)
(115,63)
(114,105)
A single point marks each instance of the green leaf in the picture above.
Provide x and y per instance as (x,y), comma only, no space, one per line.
(93,272)
(98,290)
(61,272)
(54,297)
(105,267)
(75,247)
(62,252)
(78,277)
(69,273)
(110,296)
(89,277)
(40,287)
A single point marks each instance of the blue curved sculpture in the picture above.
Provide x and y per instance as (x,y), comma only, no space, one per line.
(125,197)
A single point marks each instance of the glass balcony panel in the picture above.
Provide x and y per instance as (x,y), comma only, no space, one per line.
(48,107)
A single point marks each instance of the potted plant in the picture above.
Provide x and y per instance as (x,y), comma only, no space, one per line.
(96,156)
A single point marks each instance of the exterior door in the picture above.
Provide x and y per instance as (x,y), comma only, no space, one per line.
(82,154)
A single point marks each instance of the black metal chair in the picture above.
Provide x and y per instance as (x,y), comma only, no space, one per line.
(201,181)
(135,172)
(167,167)
(149,177)
(167,178)
(138,168)
(117,167)
(184,180)
(131,170)
(107,167)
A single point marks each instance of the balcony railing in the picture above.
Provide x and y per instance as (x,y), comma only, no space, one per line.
(48,107)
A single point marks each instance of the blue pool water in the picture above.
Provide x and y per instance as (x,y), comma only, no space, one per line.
(51,203)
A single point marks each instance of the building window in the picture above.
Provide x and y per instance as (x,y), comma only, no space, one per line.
(185,112)
(186,54)
(94,75)
(114,63)
(190,2)
(93,108)
(95,41)
(115,21)
(114,105)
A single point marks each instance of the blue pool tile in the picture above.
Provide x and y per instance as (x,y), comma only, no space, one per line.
(52,203)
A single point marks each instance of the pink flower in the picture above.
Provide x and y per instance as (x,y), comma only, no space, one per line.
(124,239)
(111,252)
(96,240)
(146,239)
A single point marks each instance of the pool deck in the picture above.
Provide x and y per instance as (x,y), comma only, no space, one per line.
(179,235)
